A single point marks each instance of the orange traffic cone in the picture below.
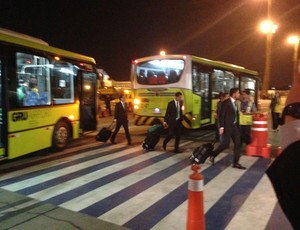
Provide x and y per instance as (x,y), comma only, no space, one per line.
(195,218)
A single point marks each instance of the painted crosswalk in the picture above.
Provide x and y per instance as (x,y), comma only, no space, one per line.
(138,190)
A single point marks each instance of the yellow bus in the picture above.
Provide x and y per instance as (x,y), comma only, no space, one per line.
(48,95)
(156,79)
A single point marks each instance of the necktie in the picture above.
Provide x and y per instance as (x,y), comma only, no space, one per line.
(235,111)
(177,110)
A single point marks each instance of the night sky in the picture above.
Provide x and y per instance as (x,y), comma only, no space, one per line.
(115,32)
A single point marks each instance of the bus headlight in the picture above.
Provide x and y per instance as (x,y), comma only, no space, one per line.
(71,117)
(136,101)
(157,111)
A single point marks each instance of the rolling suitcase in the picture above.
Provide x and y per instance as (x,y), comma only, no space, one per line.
(201,153)
(152,138)
(105,133)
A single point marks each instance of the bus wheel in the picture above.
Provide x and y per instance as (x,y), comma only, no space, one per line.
(61,136)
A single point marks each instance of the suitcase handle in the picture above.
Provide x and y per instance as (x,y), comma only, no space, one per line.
(112,126)
(214,141)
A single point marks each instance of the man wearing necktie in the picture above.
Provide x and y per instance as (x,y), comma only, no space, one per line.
(121,119)
(173,118)
(229,128)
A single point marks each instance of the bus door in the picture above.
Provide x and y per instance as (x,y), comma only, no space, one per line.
(88,98)
(2,116)
(205,98)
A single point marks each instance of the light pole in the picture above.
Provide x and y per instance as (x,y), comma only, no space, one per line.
(268,27)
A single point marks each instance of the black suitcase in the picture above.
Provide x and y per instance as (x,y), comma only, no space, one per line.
(201,153)
(152,138)
(105,133)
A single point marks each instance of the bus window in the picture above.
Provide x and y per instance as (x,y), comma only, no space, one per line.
(159,72)
(33,81)
(229,81)
(141,77)
(200,86)
(152,78)
(63,80)
(217,82)
(172,78)
(248,83)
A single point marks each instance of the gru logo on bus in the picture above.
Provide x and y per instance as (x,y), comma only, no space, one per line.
(20,116)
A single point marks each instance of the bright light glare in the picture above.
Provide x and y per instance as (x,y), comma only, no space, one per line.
(65,70)
(165,63)
(293,39)
(268,27)
(136,101)
(87,87)
(162,53)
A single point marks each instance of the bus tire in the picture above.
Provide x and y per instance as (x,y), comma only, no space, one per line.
(61,136)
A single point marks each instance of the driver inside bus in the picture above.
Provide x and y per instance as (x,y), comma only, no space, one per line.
(33,84)
(32,97)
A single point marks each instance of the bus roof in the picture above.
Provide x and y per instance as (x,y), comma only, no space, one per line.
(36,43)
(206,61)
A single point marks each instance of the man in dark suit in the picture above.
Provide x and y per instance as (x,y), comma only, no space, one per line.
(173,118)
(121,119)
(229,128)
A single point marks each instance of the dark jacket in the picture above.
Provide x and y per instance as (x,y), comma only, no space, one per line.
(120,112)
(171,113)
(228,115)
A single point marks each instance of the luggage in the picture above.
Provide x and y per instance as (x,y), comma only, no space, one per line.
(201,153)
(105,133)
(152,138)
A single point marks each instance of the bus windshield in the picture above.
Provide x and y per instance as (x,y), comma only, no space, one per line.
(159,72)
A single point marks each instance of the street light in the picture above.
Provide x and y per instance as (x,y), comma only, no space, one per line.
(269,28)
(162,53)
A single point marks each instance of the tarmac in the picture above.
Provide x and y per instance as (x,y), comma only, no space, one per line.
(19,212)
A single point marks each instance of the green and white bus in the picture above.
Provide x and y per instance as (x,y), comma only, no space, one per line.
(156,79)
(47,95)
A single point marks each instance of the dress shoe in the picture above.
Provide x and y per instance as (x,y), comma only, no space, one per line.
(164,146)
(212,160)
(177,151)
(238,166)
